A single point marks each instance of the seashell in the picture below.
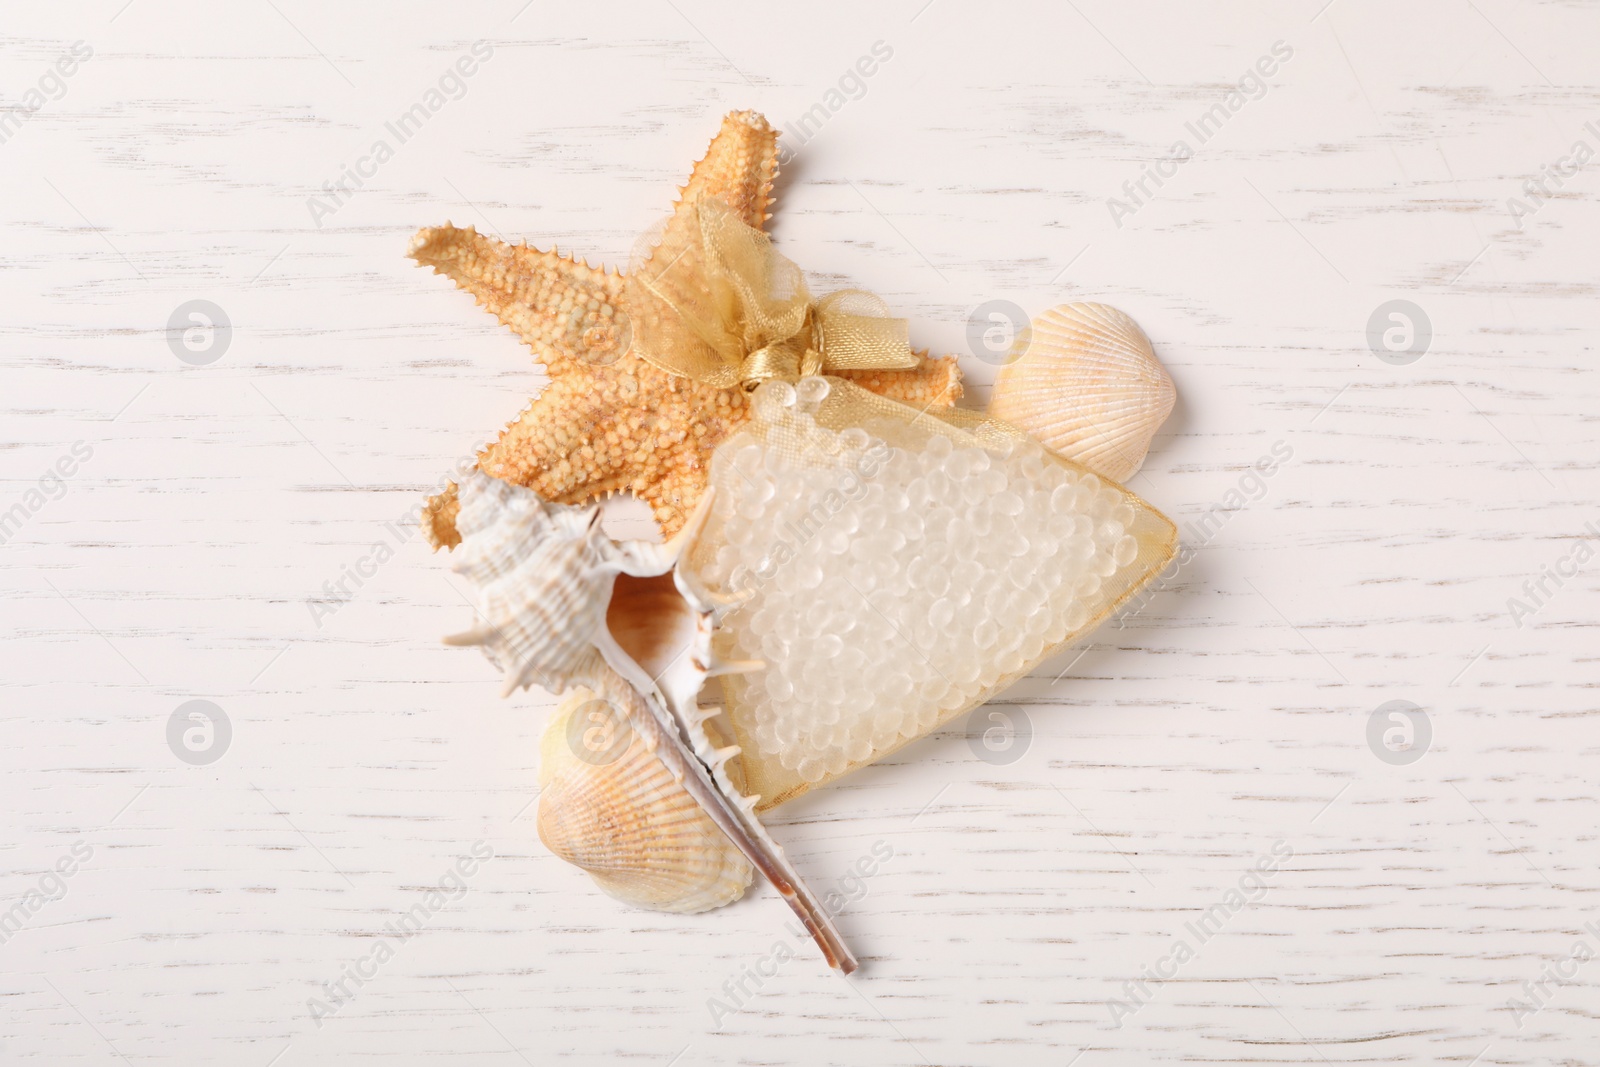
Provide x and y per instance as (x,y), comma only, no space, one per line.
(652,432)
(899,572)
(559,599)
(538,570)
(609,806)
(1089,387)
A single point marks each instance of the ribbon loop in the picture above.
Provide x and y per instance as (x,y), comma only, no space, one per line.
(784,359)
(711,299)
(856,332)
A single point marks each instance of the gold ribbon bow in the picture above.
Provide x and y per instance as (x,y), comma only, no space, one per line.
(710,299)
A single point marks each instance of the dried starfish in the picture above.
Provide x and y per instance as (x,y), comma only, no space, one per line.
(610,422)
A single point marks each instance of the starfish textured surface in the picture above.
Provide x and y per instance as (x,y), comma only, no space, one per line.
(609,421)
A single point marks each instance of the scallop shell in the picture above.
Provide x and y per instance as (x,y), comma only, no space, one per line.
(563,605)
(609,806)
(1089,387)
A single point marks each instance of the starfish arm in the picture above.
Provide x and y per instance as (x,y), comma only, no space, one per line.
(610,422)
(574,443)
(569,445)
(633,428)
(738,169)
(935,384)
(563,309)
(671,497)
(438,520)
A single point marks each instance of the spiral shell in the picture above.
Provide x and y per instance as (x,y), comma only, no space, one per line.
(538,571)
(1089,387)
(564,606)
(609,806)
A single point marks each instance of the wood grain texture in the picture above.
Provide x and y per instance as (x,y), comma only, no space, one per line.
(1021,898)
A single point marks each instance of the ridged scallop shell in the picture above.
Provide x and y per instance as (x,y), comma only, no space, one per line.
(609,806)
(563,605)
(1089,387)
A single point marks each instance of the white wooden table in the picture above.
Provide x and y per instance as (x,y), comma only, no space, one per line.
(1031,911)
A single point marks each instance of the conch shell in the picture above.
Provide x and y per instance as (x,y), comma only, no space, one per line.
(547,579)
(1089,387)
